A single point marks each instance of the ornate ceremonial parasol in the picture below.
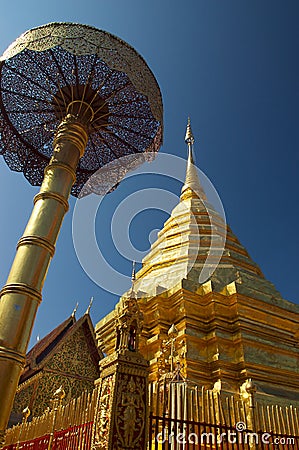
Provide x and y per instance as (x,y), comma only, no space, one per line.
(63,68)
(72,99)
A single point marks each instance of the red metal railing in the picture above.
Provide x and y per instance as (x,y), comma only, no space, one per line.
(78,436)
(40,443)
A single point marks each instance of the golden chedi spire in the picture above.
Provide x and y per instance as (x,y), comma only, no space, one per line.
(190,242)
(192,187)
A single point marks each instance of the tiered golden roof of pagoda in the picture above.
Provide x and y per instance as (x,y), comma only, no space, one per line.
(196,244)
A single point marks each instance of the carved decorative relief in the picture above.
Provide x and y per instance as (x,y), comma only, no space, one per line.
(49,382)
(121,410)
(103,414)
(130,412)
(74,357)
(71,367)
(171,359)
(23,398)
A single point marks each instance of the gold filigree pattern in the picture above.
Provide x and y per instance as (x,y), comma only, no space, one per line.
(23,398)
(74,357)
(71,367)
(102,420)
(83,40)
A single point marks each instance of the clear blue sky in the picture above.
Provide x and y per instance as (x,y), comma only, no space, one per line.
(232,65)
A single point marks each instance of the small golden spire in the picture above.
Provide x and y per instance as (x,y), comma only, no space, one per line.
(189,138)
(133,277)
(89,306)
(192,186)
(75,310)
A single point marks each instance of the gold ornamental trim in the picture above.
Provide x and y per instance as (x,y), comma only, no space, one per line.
(39,241)
(54,196)
(60,165)
(8,353)
(29,381)
(21,288)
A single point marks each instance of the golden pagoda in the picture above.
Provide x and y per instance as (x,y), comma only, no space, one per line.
(230,323)
(201,351)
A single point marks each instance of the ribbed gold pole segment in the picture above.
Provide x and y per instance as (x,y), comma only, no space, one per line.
(20,297)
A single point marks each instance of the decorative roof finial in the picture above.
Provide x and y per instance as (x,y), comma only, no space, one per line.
(75,310)
(89,306)
(189,138)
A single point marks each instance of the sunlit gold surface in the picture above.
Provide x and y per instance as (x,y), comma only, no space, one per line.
(235,325)
(76,412)
(21,295)
(189,138)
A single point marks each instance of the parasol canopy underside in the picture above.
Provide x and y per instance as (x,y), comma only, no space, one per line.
(40,85)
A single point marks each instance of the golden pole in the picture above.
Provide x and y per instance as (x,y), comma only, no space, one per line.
(21,296)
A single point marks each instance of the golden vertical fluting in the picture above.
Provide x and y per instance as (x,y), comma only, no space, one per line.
(25,413)
(21,296)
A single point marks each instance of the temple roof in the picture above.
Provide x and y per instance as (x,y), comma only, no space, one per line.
(196,244)
(49,345)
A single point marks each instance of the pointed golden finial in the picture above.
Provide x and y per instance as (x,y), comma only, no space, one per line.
(189,138)
(26,413)
(75,310)
(192,182)
(133,277)
(89,306)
